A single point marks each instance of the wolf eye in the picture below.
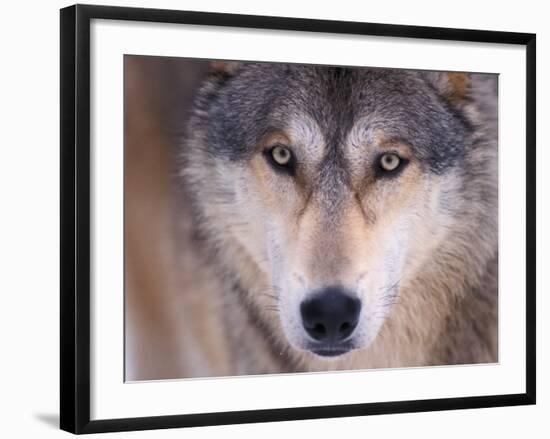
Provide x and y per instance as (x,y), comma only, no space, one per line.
(390,162)
(281,159)
(281,155)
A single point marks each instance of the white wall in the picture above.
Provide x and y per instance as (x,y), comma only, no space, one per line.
(29,248)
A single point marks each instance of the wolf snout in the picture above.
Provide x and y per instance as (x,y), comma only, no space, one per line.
(329,317)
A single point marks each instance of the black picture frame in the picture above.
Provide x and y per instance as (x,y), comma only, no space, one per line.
(75,217)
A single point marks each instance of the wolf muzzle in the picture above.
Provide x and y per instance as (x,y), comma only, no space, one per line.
(330,317)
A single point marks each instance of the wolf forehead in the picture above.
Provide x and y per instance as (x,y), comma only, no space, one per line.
(236,110)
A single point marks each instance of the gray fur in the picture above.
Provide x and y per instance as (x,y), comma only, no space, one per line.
(259,98)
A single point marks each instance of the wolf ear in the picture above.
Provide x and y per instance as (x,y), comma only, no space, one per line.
(225,67)
(453,86)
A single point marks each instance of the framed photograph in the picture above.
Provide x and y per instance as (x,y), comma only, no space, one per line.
(268,218)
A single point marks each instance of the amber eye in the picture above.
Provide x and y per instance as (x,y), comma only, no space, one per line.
(281,159)
(390,162)
(281,155)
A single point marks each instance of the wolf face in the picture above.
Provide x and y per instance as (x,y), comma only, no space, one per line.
(324,190)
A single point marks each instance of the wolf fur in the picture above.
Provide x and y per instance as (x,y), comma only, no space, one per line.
(420,249)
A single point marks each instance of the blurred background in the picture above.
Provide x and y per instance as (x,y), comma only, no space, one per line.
(163,337)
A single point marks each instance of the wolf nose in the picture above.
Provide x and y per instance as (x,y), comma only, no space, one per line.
(330,315)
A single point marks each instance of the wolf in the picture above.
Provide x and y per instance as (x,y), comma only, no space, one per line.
(349,215)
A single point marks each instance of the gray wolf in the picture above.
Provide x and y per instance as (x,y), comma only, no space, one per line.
(348,215)
(351,214)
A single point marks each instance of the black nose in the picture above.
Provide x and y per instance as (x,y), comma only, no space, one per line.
(330,315)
